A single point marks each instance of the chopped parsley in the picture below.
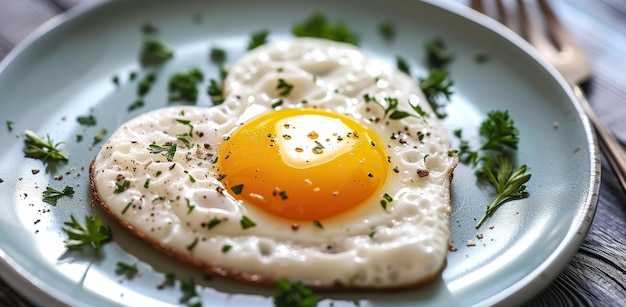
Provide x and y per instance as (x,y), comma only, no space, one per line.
(116,80)
(192,245)
(218,55)
(318,224)
(215,92)
(437,56)
(434,86)
(481,58)
(169,150)
(10,125)
(154,51)
(183,86)
(145,84)
(246,222)
(126,269)
(88,120)
(277,104)
(318,25)
(38,148)
(237,189)
(226,248)
(93,234)
(121,187)
(283,195)
(192,179)
(188,288)
(257,39)
(136,105)
(290,294)
(52,195)
(403,65)
(187,123)
(99,137)
(190,207)
(213,222)
(387,29)
(284,87)
(127,207)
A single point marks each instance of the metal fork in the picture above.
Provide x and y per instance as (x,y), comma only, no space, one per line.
(562,49)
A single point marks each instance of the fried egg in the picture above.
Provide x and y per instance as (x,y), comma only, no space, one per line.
(323,165)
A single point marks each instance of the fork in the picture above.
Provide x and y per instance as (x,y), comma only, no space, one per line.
(563,51)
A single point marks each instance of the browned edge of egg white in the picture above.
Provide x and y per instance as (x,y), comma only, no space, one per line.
(246,277)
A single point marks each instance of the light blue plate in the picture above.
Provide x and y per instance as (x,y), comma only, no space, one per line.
(64,71)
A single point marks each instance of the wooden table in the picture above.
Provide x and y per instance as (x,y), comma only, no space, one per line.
(596,275)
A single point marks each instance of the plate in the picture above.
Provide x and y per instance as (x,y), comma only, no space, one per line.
(65,70)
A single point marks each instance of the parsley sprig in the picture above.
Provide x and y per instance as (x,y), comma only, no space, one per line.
(92,233)
(38,148)
(498,133)
(510,182)
(52,195)
(437,85)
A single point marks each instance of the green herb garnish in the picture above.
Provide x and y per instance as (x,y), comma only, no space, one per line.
(283,87)
(126,269)
(154,51)
(169,150)
(318,224)
(213,222)
(277,104)
(218,55)
(257,39)
(121,187)
(294,294)
(145,84)
(510,183)
(237,189)
(136,105)
(192,245)
(226,248)
(190,207)
(434,86)
(127,207)
(188,288)
(215,92)
(92,234)
(317,25)
(498,133)
(183,86)
(387,29)
(437,56)
(88,120)
(37,148)
(10,125)
(52,195)
(99,137)
(403,65)
(246,222)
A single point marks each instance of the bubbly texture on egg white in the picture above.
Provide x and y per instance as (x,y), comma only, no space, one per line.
(323,165)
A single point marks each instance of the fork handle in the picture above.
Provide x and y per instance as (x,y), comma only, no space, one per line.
(610,147)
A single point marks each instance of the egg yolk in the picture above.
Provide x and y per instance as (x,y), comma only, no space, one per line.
(303,164)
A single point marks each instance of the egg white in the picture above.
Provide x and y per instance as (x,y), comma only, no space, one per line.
(368,247)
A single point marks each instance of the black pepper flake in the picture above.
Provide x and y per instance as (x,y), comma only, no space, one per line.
(396,169)
(172,167)
(422,173)
(220,177)
(370,175)
(295,226)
